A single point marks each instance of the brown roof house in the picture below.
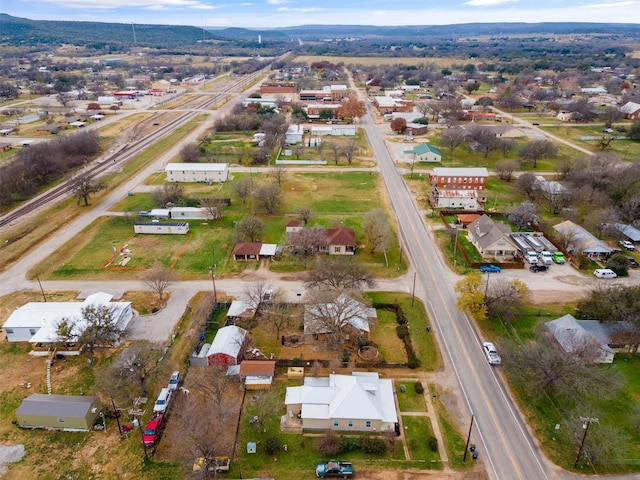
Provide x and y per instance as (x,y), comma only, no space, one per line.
(340,241)
(257,374)
(254,251)
(492,238)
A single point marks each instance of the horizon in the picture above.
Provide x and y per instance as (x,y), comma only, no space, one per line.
(274,14)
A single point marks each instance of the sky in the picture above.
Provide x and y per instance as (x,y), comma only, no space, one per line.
(281,13)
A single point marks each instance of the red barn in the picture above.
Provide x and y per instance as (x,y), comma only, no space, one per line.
(228,346)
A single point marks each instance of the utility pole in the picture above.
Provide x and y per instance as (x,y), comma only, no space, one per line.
(586,421)
(213,276)
(413,290)
(466,447)
(41,289)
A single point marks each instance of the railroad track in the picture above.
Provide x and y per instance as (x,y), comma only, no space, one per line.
(129,150)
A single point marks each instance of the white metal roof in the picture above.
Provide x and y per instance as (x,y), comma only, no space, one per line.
(461,172)
(196,167)
(229,340)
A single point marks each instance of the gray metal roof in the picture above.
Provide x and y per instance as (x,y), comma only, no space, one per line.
(65,406)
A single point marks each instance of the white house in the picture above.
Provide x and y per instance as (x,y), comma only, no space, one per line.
(456,199)
(344,311)
(360,402)
(36,322)
(197,172)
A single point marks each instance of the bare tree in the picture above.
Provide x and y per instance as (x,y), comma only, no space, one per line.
(335,148)
(271,197)
(170,193)
(279,173)
(335,314)
(190,152)
(505,297)
(305,214)
(505,169)
(85,185)
(158,278)
(482,139)
(97,327)
(378,231)
(339,273)
(278,315)
(452,138)
(349,150)
(537,150)
(250,228)
(243,187)
(213,207)
(128,375)
(256,294)
(523,215)
(307,242)
(526,183)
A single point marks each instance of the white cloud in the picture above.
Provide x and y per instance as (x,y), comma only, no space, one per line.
(146,4)
(486,3)
(612,4)
(278,2)
(301,10)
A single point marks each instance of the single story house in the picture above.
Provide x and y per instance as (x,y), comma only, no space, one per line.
(340,241)
(631,110)
(504,130)
(361,402)
(334,130)
(239,310)
(424,152)
(254,251)
(580,240)
(228,346)
(416,128)
(574,338)
(492,239)
(344,311)
(294,226)
(36,322)
(51,129)
(161,228)
(294,134)
(71,413)
(465,178)
(257,374)
(197,172)
(456,199)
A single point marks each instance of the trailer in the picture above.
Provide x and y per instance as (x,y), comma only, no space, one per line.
(522,244)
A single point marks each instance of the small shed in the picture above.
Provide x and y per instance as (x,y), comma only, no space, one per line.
(228,346)
(164,228)
(71,413)
(239,310)
(294,226)
(257,374)
(295,373)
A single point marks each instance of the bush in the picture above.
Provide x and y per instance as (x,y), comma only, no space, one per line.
(419,389)
(373,445)
(272,445)
(433,443)
(328,444)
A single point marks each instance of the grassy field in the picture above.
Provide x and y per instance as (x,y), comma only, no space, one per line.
(336,199)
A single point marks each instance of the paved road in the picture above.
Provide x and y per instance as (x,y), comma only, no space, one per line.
(505,443)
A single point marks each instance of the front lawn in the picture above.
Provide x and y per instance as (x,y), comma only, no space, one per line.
(418,430)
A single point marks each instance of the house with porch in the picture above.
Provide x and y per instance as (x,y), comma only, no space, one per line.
(492,239)
(360,402)
(340,241)
(579,240)
(423,152)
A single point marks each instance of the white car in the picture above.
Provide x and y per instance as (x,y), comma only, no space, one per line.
(174,381)
(491,353)
(627,244)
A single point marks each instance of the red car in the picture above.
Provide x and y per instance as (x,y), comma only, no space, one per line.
(151,432)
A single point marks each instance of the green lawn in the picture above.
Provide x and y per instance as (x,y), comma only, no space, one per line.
(409,400)
(418,430)
(384,334)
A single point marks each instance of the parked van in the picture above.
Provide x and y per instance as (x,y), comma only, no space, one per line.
(162,402)
(605,273)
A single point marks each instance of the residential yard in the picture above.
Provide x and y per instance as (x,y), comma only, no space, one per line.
(418,430)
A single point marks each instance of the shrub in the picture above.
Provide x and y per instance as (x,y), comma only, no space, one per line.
(433,443)
(373,445)
(329,444)
(272,445)
(419,389)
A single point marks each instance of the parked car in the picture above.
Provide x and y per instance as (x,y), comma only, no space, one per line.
(605,273)
(490,268)
(558,257)
(334,468)
(632,262)
(546,256)
(539,268)
(144,213)
(174,380)
(162,402)
(627,244)
(152,430)
(491,353)
(532,257)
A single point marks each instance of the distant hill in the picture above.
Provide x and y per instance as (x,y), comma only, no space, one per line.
(467,29)
(22,31)
(249,34)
